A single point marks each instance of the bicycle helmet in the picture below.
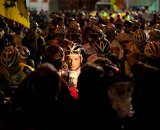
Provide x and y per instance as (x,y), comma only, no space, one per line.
(34,25)
(69,20)
(93,21)
(74,48)
(10,56)
(102,46)
(60,29)
(127,23)
(74,26)
(152,49)
(110,32)
(53,16)
(96,34)
(136,25)
(24,52)
(140,37)
(131,46)
(154,35)
(156,26)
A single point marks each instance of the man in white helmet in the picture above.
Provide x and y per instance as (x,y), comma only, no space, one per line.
(74,60)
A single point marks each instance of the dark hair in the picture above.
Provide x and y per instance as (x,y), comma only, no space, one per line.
(37,96)
(53,54)
(109,68)
(90,80)
(46,79)
(41,86)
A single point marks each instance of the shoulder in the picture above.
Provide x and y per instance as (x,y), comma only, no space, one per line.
(26,69)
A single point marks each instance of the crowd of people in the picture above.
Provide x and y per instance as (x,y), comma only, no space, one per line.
(80,71)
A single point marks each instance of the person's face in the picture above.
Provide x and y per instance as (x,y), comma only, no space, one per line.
(128,29)
(120,95)
(54,42)
(74,62)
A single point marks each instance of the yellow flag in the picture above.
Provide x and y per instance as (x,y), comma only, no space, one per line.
(15,10)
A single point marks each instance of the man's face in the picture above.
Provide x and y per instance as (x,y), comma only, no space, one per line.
(74,62)
(120,95)
(53,42)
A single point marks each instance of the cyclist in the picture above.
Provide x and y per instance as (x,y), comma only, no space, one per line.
(12,70)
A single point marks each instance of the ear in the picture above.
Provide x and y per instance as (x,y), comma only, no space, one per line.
(81,59)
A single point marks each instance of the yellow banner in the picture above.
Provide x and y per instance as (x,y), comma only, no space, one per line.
(15,10)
